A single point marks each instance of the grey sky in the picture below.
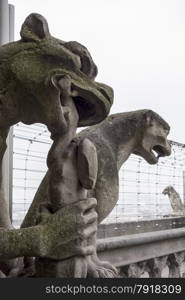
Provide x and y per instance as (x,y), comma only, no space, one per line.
(138,45)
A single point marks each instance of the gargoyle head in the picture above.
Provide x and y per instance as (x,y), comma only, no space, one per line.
(153,140)
(31,68)
(168,190)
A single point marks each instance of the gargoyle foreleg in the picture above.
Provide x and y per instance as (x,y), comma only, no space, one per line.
(50,239)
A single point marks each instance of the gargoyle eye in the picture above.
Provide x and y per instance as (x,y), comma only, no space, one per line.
(167,131)
(88,66)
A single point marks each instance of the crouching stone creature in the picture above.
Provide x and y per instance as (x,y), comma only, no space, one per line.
(141,132)
(175,200)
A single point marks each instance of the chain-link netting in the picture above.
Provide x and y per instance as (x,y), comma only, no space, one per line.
(141,184)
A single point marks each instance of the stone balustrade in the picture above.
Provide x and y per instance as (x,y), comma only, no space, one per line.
(152,254)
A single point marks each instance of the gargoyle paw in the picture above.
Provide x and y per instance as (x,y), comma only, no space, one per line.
(100,269)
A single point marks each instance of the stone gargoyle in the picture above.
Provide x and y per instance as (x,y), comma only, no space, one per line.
(141,132)
(49,81)
(175,200)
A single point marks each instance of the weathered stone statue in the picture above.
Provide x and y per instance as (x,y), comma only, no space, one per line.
(46,80)
(175,200)
(141,132)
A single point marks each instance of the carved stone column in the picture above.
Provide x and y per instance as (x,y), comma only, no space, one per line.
(175,260)
(134,270)
(156,265)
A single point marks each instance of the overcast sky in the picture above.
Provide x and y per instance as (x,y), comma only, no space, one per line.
(138,46)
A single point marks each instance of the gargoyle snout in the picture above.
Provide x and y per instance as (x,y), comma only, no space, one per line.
(164,192)
(168,149)
(167,190)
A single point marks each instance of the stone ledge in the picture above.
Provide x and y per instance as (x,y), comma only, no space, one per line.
(126,228)
(127,249)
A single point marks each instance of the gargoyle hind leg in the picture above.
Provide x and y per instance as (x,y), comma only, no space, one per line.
(97,268)
(87,172)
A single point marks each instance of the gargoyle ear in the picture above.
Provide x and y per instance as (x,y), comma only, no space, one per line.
(34,28)
(148,116)
(56,78)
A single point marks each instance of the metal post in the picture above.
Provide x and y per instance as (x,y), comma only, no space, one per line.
(7,35)
(10,136)
(4,22)
(11,22)
(183,176)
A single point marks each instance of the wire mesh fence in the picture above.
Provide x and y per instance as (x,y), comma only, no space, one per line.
(141,187)
(141,184)
(30,147)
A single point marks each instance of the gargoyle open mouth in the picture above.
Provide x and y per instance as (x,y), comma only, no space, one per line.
(90,110)
(93,100)
(158,151)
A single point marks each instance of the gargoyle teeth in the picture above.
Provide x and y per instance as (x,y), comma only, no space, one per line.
(159,150)
(155,153)
(74,93)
